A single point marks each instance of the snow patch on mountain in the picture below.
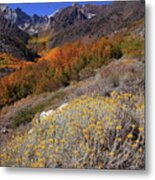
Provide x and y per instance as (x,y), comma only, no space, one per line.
(30,24)
(90,15)
(54,13)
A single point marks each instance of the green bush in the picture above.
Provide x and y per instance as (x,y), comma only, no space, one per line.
(133,46)
(86,72)
(116,52)
(23,117)
(18,91)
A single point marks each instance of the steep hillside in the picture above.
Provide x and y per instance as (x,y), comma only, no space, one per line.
(86,22)
(124,76)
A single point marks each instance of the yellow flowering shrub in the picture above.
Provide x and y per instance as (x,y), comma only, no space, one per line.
(90,132)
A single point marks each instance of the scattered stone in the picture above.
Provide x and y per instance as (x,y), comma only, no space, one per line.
(62,106)
(4,131)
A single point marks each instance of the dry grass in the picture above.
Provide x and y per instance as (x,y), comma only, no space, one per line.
(124,75)
(99,132)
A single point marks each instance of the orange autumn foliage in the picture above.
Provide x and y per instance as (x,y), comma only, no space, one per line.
(55,69)
(8,61)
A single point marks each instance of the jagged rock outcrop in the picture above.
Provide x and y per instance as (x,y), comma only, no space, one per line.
(13,40)
(30,24)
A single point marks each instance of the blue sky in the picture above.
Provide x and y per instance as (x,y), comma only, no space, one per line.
(47,8)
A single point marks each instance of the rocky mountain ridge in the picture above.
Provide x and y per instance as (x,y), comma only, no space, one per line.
(13,40)
(29,24)
(89,22)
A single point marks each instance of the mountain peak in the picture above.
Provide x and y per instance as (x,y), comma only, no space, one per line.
(2,7)
(75,4)
(30,24)
(18,10)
